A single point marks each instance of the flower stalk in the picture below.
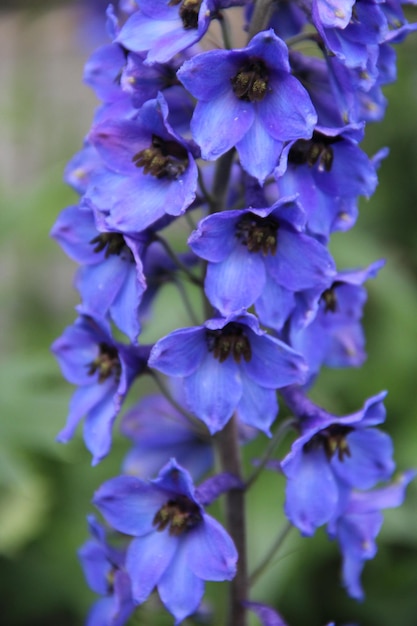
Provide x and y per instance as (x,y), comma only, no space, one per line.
(230,461)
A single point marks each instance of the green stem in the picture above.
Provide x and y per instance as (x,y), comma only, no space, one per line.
(190,221)
(221,182)
(303,37)
(271,554)
(225,27)
(174,257)
(203,188)
(187,303)
(229,452)
(279,434)
(260,17)
(196,424)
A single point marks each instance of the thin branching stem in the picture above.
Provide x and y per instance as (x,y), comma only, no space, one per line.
(279,434)
(175,258)
(190,221)
(206,194)
(196,424)
(271,554)
(187,302)
(302,38)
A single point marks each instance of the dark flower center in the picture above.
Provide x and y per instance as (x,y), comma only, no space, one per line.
(251,82)
(189,10)
(258,234)
(318,149)
(229,340)
(107,363)
(180,514)
(163,159)
(332,439)
(113,243)
(329,298)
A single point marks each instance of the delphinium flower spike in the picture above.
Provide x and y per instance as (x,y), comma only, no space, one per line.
(252,156)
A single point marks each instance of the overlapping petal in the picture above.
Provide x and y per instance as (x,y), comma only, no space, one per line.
(213,391)
(211,554)
(147,559)
(129,504)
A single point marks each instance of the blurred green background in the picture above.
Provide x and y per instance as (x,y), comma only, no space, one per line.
(45,488)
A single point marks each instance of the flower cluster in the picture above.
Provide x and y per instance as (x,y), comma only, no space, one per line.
(256,150)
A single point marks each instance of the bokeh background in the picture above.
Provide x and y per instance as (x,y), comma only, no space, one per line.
(46,488)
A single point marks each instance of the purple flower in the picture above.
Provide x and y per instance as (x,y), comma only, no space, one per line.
(82,167)
(163,29)
(329,332)
(176,545)
(255,250)
(350,30)
(249,99)
(103,369)
(313,74)
(111,279)
(331,456)
(143,82)
(151,170)
(104,571)
(288,19)
(324,171)
(340,94)
(229,365)
(102,72)
(359,524)
(357,92)
(158,432)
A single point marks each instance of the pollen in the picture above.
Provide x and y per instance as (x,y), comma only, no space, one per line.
(258,234)
(230,340)
(106,363)
(250,84)
(163,159)
(79,173)
(343,216)
(178,515)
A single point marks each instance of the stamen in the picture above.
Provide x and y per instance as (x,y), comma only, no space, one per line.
(318,149)
(189,11)
(330,300)
(107,363)
(163,159)
(258,234)
(114,243)
(329,297)
(251,82)
(180,515)
(229,340)
(333,440)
